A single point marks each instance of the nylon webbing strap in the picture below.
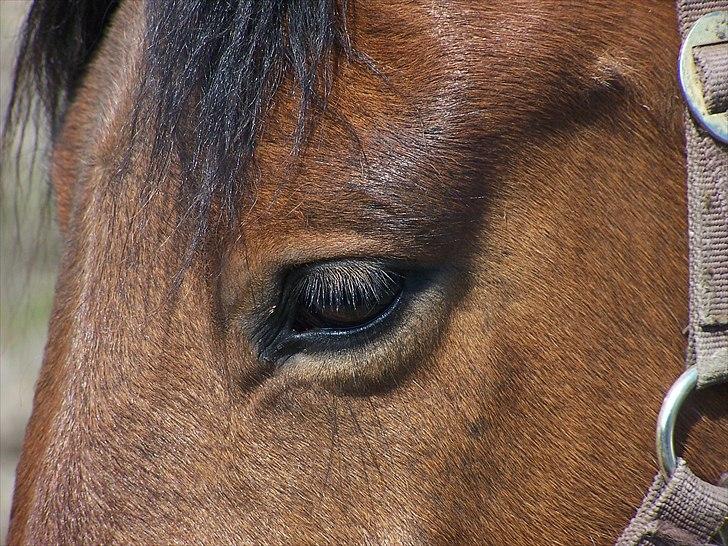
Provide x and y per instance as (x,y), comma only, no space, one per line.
(707,162)
(682,509)
(674,512)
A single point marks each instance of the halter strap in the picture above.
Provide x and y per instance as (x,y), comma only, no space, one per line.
(680,508)
(704,81)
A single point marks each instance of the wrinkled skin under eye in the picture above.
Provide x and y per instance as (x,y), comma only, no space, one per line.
(331,306)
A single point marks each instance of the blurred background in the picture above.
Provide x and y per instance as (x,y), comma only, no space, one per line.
(28,256)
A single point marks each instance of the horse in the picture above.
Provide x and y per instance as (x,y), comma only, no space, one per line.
(356,271)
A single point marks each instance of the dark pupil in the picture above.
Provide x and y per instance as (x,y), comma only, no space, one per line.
(343,315)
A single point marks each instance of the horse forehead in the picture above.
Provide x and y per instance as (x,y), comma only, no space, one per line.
(396,198)
(389,166)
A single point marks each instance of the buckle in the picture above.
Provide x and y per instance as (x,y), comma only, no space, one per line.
(710,29)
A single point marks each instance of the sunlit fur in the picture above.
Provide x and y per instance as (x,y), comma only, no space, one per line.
(528,151)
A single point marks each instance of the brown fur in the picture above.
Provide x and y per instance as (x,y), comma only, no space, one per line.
(534,147)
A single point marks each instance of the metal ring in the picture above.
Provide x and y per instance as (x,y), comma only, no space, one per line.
(710,29)
(665,435)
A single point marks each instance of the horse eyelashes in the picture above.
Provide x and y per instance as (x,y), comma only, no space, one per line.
(344,295)
(331,305)
(347,284)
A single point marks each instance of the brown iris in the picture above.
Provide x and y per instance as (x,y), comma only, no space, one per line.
(342,316)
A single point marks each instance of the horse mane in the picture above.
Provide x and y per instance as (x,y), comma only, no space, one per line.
(211,71)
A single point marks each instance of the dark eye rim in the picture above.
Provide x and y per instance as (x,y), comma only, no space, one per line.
(332,340)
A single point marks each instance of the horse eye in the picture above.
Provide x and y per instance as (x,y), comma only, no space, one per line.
(344,311)
(332,306)
(343,295)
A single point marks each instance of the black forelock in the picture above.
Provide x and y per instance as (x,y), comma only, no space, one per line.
(220,65)
(211,71)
